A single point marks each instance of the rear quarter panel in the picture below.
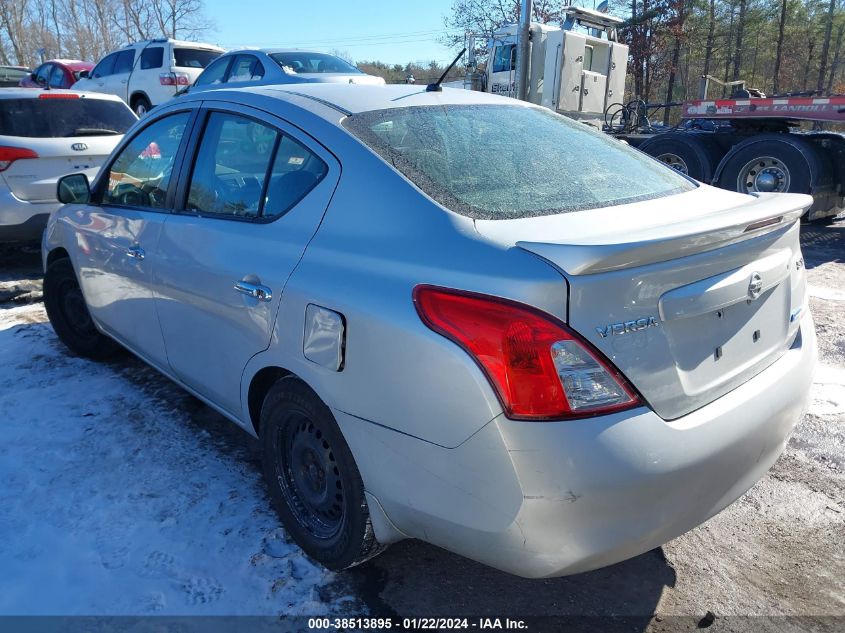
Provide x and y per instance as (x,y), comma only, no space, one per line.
(379,239)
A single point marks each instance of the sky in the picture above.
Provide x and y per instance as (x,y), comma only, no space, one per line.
(393,32)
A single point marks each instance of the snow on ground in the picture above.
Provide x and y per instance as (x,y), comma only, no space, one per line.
(820,292)
(115,500)
(828,394)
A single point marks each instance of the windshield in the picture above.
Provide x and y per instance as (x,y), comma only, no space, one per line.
(502,161)
(55,117)
(303,62)
(194,57)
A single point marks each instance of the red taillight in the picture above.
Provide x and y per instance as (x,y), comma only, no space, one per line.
(58,95)
(9,155)
(174,79)
(539,368)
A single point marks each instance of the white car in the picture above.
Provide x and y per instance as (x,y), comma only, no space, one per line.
(45,134)
(266,66)
(148,73)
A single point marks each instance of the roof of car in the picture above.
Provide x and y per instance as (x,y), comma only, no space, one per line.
(73,64)
(352,98)
(271,50)
(29,93)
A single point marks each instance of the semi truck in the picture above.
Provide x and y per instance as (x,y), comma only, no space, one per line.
(748,142)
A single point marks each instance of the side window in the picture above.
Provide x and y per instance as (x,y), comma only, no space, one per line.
(105,67)
(504,59)
(57,77)
(140,175)
(42,75)
(296,171)
(246,68)
(214,73)
(124,62)
(231,166)
(152,57)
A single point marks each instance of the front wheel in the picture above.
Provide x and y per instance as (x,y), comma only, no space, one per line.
(69,316)
(312,478)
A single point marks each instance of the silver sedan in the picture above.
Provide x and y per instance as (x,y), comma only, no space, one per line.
(446,315)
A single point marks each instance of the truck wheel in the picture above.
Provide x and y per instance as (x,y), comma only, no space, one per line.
(141,105)
(69,316)
(690,154)
(773,163)
(312,478)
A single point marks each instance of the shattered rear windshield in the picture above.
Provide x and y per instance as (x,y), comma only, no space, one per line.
(497,162)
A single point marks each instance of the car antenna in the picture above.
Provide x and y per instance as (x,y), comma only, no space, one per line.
(436,87)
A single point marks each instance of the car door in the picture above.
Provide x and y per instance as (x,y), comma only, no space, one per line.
(254,198)
(42,75)
(117,83)
(58,78)
(96,79)
(116,236)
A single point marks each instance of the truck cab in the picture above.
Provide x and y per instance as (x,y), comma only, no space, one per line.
(578,70)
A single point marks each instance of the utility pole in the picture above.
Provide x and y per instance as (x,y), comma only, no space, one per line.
(523,50)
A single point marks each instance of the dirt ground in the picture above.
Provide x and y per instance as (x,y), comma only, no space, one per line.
(774,560)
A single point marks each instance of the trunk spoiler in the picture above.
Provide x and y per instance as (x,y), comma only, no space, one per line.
(602,251)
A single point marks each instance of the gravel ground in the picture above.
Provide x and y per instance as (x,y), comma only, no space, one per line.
(778,552)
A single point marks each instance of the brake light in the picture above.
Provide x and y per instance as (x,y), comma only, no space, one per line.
(539,368)
(58,95)
(174,79)
(9,155)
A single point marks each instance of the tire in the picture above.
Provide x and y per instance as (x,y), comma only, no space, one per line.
(774,162)
(691,154)
(312,478)
(69,316)
(141,106)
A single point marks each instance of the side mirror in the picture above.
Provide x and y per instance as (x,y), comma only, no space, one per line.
(84,74)
(33,76)
(74,189)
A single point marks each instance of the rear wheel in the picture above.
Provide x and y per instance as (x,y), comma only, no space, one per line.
(141,105)
(691,154)
(773,163)
(69,316)
(312,477)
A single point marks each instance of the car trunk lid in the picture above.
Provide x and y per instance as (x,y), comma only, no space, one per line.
(687,308)
(35,179)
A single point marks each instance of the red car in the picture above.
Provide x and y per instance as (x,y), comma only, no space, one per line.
(56,73)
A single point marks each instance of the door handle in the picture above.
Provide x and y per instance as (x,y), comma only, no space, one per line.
(262,293)
(136,252)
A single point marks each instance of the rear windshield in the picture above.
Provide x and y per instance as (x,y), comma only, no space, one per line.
(45,118)
(497,162)
(303,62)
(194,57)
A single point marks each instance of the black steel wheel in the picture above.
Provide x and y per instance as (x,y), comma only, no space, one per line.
(312,477)
(69,315)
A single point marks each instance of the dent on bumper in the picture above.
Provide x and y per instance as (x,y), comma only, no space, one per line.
(557,498)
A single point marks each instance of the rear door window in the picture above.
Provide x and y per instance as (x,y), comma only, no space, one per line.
(246,169)
(194,57)
(63,117)
(124,62)
(140,175)
(57,77)
(152,57)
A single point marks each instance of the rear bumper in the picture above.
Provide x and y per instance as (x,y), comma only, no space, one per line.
(21,220)
(557,498)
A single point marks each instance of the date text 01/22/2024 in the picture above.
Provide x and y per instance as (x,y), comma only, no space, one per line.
(416,624)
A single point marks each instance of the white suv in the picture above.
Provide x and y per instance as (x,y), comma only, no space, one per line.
(145,74)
